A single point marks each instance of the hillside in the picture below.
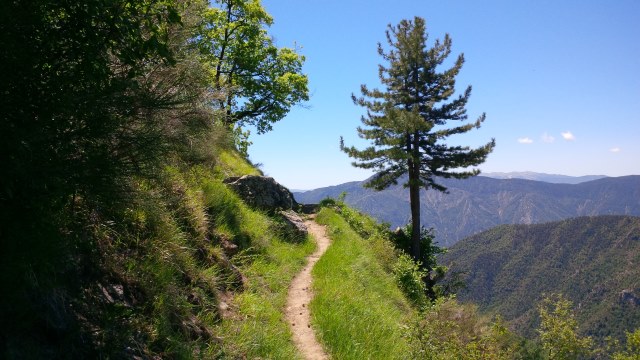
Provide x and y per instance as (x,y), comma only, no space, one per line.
(592,260)
(480,203)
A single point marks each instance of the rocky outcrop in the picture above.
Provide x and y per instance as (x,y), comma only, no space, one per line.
(262,192)
(266,194)
(294,224)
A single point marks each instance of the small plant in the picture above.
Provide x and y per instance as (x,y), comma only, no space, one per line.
(409,276)
(433,273)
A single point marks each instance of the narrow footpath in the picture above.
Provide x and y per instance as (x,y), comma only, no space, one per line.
(300,295)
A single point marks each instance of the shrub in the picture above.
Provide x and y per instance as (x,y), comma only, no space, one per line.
(409,277)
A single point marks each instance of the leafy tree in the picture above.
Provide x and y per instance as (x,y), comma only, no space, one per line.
(95,94)
(558,331)
(258,82)
(632,351)
(407,120)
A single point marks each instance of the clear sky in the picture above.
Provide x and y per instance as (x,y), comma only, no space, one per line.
(558,80)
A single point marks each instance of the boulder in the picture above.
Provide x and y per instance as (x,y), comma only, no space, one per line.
(262,192)
(294,224)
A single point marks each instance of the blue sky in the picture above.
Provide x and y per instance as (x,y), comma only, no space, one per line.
(558,80)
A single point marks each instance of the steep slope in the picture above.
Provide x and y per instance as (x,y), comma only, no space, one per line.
(479,203)
(592,260)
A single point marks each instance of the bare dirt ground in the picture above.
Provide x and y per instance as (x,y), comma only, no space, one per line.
(300,295)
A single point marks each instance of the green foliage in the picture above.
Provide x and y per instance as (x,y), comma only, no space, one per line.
(427,262)
(358,310)
(410,277)
(632,350)
(587,259)
(402,119)
(406,121)
(559,331)
(449,330)
(96,97)
(115,227)
(258,81)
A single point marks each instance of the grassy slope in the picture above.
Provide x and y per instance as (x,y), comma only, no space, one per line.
(358,309)
(148,277)
(254,326)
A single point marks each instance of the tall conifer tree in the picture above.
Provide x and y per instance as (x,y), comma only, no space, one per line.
(407,120)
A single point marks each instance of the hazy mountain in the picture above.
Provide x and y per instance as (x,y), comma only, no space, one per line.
(594,261)
(551,178)
(480,203)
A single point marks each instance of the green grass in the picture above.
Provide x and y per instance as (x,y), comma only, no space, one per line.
(258,328)
(268,260)
(230,163)
(358,310)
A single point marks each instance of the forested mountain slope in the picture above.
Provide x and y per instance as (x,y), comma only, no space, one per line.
(479,203)
(592,260)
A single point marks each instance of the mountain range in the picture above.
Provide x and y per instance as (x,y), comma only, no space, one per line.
(551,178)
(593,261)
(480,203)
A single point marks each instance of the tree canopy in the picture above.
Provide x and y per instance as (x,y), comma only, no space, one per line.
(258,82)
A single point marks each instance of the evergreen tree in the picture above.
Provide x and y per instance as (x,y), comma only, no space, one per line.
(406,122)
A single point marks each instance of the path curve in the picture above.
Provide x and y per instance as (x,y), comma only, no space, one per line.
(300,295)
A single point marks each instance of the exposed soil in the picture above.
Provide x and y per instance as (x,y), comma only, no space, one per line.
(300,295)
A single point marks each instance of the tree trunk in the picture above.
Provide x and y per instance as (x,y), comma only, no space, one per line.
(414,198)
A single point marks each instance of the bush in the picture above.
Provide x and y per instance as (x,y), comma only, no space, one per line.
(409,277)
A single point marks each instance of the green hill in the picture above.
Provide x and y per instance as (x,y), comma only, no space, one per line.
(591,260)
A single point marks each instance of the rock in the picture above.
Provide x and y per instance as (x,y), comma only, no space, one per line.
(629,297)
(229,248)
(262,192)
(294,224)
(309,208)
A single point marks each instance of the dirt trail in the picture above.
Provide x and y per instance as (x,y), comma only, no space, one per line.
(300,295)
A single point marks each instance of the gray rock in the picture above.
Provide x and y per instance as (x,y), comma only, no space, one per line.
(262,192)
(294,224)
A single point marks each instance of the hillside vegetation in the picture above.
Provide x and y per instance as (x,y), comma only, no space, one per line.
(480,203)
(353,292)
(593,261)
(119,237)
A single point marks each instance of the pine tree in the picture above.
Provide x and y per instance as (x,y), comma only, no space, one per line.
(407,121)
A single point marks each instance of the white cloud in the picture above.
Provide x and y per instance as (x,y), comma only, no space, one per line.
(568,136)
(525,140)
(615,150)
(547,138)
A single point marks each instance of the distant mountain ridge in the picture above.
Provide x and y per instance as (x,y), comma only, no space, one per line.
(591,260)
(551,178)
(480,203)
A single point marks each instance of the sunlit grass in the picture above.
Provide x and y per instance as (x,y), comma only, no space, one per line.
(258,328)
(358,310)
(230,163)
